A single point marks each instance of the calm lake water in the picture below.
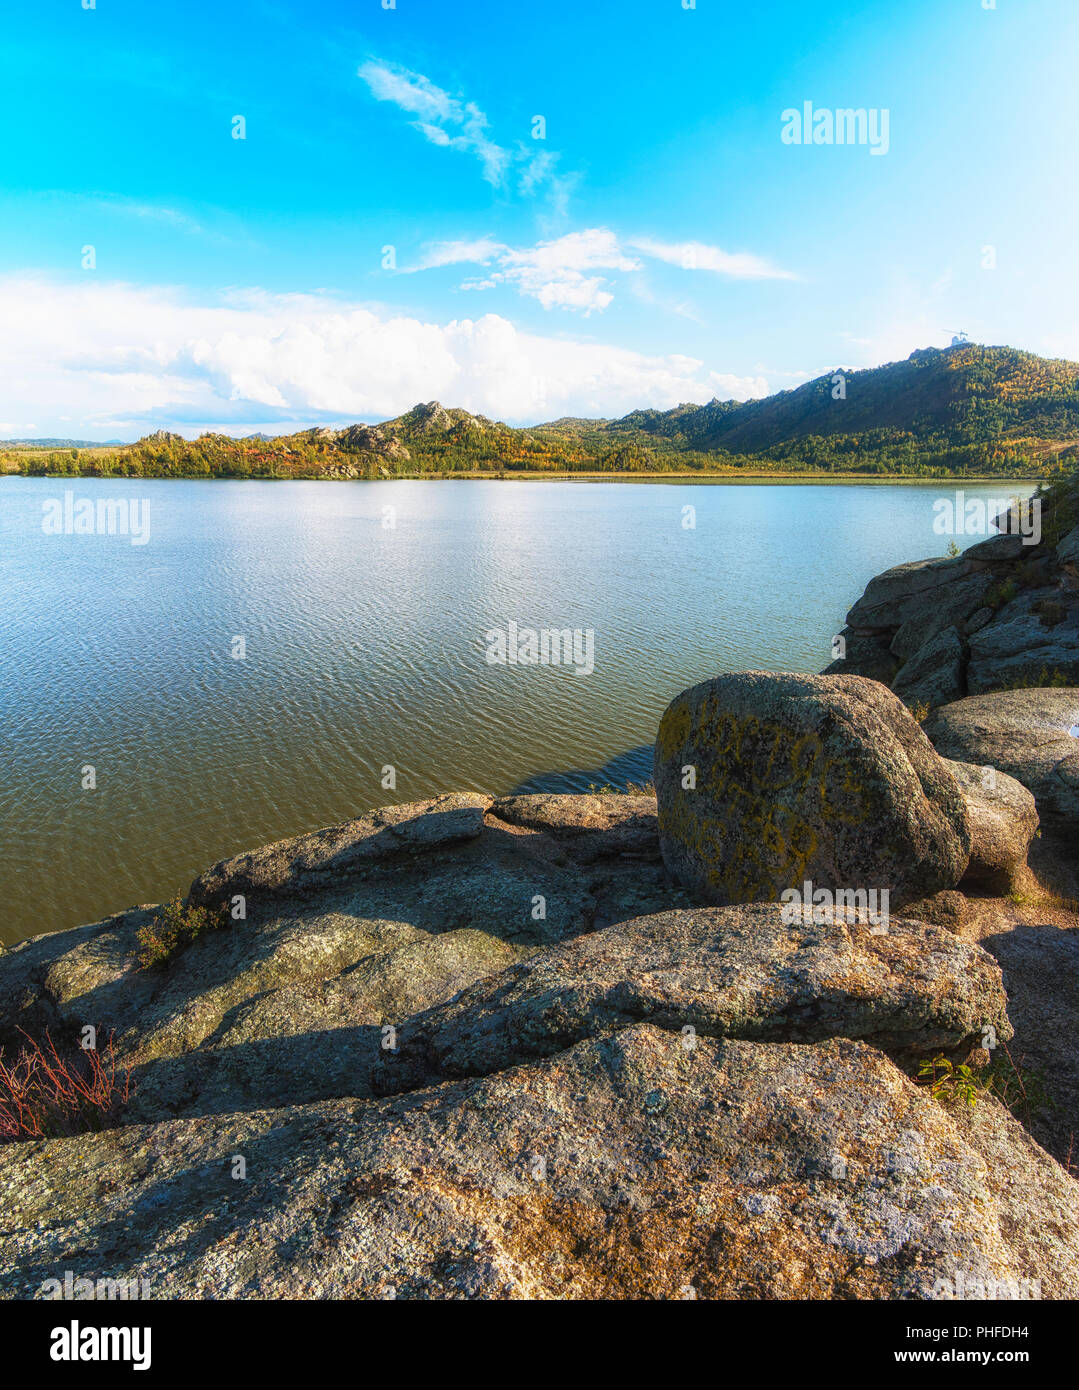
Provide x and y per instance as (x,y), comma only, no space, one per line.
(366,646)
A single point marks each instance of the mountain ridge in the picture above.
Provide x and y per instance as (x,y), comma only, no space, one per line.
(963,409)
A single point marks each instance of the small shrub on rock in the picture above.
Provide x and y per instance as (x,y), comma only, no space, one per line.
(1019,1088)
(949,1083)
(1001,593)
(174,928)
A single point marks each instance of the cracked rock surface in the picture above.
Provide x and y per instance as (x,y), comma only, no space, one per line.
(725,972)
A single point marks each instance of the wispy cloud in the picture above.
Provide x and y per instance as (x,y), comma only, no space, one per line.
(456,124)
(562,273)
(696,255)
(152,212)
(411,91)
(479,251)
(209,224)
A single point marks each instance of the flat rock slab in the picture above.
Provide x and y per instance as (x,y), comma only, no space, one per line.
(725,972)
(628,1167)
(308,863)
(1023,733)
(766,780)
(597,825)
(288,1005)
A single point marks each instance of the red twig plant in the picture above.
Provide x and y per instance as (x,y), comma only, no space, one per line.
(43,1095)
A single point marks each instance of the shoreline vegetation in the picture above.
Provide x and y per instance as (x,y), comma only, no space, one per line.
(503,475)
(971,412)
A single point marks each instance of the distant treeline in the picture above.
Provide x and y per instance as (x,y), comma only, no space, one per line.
(217,456)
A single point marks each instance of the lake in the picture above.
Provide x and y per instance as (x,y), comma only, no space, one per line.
(248,660)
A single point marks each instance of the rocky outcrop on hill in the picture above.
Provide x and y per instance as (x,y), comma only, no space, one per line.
(767,780)
(1002,615)
(433,417)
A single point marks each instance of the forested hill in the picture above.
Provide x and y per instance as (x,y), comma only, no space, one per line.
(965,410)
(969,393)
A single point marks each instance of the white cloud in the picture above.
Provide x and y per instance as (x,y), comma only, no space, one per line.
(117,359)
(695,255)
(453,123)
(556,272)
(576,251)
(480,251)
(553,272)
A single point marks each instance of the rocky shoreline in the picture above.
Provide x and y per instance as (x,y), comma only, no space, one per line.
(709,1043)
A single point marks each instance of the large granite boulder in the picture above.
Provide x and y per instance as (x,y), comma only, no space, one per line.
(764,781)
(726,972)
(628,1167)
(1003,819)
(1024,733)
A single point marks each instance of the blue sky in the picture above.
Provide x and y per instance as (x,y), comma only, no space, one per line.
(661,243)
